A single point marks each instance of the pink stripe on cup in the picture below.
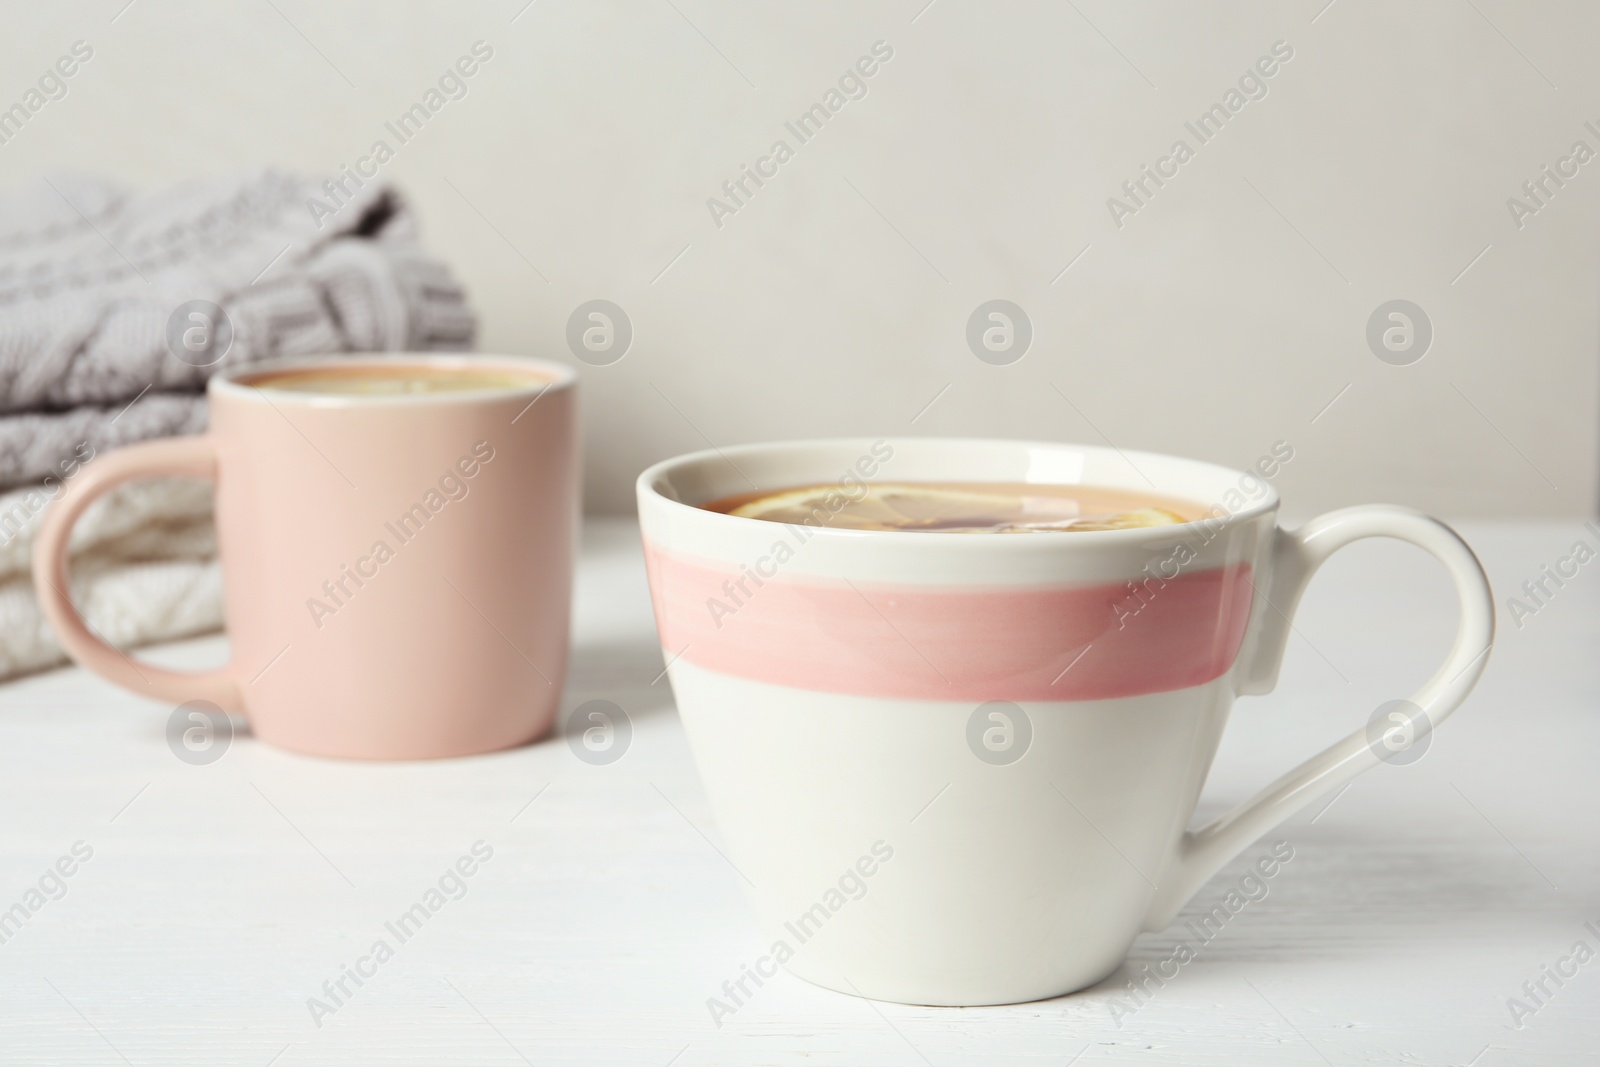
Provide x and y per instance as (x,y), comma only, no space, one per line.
(1034,643)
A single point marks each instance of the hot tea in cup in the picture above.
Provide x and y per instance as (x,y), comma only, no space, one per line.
(961,507)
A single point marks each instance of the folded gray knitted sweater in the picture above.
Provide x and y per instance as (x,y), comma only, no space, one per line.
(91,273)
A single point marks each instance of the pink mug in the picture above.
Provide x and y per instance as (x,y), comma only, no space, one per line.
(398,567)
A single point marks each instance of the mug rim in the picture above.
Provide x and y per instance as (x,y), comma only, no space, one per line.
(557,376)
(646,485)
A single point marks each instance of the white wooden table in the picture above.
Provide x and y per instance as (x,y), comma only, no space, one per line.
(219,898)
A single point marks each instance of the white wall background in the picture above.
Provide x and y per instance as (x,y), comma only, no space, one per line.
(1224,316)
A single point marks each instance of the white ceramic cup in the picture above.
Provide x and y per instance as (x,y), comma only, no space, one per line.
(958,769)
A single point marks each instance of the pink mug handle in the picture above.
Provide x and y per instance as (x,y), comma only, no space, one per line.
(193,456)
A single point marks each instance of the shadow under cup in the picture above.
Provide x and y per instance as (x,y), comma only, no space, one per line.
(951,768)
(397,566)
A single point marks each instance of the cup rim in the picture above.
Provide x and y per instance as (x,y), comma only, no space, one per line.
(646,486)
(554,375)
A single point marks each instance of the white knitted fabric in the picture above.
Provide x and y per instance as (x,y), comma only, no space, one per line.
(144,569)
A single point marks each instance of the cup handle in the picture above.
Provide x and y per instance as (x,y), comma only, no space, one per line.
(1296,555)
(194,456)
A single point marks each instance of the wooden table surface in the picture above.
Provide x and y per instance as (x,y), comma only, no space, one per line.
(216,900)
